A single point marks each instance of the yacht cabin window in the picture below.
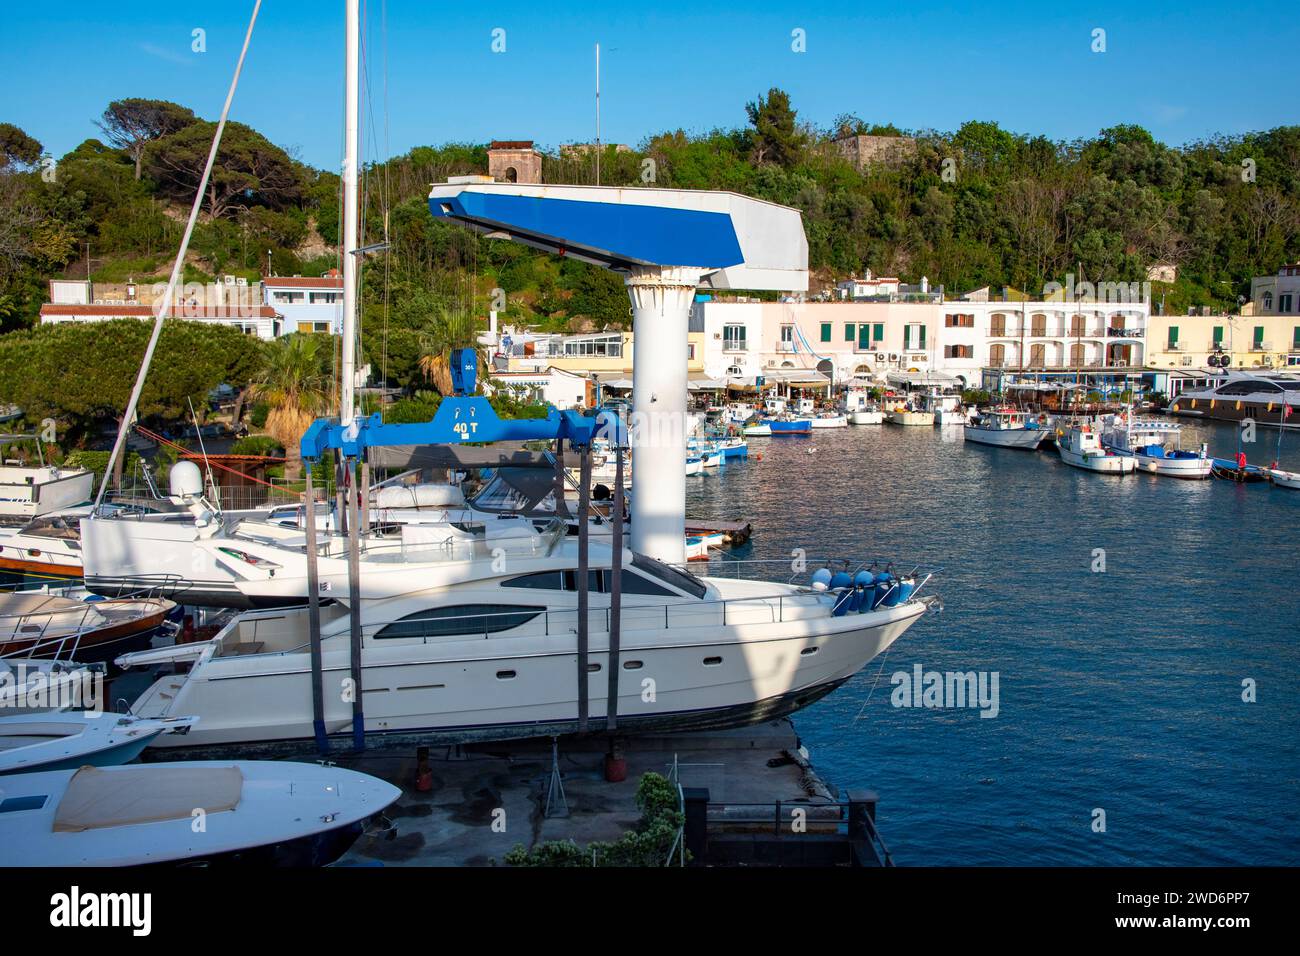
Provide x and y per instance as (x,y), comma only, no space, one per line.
(460,619)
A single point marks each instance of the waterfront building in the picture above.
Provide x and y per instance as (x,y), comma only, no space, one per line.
(1247,341)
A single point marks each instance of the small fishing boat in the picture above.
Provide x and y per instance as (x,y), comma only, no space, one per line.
(909,413)
(756,429)
(66,740)
(1081,447)
(830,420)
(860,409)
(1285,479)
(44,626)
(946,407)
(734,448)
(788,426)
(1005,428)
(694,465)
(255,812)
(1154,445)
(1229,470)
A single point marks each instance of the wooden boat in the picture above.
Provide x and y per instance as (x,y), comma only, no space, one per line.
(257,812)
(44,626)
(1228,471)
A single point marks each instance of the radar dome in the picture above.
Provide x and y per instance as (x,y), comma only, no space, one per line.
(185,481)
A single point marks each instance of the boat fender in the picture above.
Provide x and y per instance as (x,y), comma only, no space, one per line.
(821,579)
(884,581)
(855,600)
(842,603)
(840,581)
(903,592)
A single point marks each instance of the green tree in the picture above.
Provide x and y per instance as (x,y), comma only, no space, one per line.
(776,137)
(132,124)
(295,382)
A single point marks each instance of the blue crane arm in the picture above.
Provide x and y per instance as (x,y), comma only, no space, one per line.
(459,421)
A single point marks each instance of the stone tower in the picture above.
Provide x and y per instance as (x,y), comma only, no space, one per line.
(514,161)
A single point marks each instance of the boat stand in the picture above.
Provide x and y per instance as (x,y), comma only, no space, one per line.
(557,804)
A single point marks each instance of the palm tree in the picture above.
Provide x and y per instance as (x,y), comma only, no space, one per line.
(447,331)
(296,384)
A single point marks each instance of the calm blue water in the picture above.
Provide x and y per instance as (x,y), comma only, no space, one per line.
(1119,691)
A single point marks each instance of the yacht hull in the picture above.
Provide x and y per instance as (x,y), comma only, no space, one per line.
(706,677)
(1027,439)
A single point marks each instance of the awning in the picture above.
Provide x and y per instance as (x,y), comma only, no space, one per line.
(921,378)
(795,376)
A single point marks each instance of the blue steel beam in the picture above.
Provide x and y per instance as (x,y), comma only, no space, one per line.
(615,234)
(459,421)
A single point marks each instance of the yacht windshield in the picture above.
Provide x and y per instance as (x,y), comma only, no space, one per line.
(671,576)
(526,491)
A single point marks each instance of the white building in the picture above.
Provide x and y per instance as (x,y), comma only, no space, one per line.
(1279,294)
(307,303)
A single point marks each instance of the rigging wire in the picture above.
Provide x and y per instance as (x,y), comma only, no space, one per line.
(169,295)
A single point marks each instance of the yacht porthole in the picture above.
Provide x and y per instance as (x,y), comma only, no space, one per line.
(505,675)
(712,661)
(592,668)
(632,665)
(809,651)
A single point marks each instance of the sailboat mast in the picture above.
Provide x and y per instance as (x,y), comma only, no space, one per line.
(351,232)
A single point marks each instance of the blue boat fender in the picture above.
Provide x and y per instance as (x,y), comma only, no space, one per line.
(884,587)
(906,587)
(842,603)
(821,579)
(841,579)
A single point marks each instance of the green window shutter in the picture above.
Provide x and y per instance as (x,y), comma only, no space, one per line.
(1259,335)
(826,331)
(879,334)
(1295,338)
(1173,335)
(849,333)
(1218,333)
(922,345)
(864,336)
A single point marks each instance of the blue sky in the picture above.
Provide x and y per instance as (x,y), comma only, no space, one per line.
(1183,70)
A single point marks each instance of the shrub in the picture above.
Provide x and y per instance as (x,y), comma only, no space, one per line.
(263,445)
(648,844)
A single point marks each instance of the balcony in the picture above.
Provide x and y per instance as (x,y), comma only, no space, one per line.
(1173,347)
(784,346)
(1133,333)
(734,345)
(1261,346)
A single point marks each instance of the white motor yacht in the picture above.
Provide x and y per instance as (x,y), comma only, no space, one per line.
(483,644)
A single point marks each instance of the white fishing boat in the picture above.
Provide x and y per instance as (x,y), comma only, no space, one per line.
(946,407)
(1154,444)
(1081,447)
(1284,479)
(860,409)
(68,739)
(482,646)
(1005,428)
(757,429)
(254,812)
(830,420)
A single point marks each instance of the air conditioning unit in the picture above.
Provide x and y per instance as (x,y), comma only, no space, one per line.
(893,356)
(229,280)
(241,281)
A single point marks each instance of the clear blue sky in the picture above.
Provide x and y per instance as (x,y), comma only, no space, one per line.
(1184,70)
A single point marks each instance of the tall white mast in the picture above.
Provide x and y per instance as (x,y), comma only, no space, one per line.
(597,114)
(351,230)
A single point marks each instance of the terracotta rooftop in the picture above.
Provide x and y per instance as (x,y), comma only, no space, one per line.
(511,144)
(303,282)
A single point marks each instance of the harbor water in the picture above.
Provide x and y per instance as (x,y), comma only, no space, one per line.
(1120,684)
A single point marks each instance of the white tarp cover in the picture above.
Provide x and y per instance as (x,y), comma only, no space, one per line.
(97,798)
